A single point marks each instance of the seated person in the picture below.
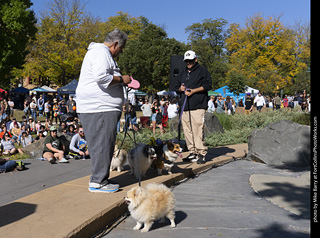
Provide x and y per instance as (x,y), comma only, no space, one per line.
(71,130)
(43,129)
(15,131)
(54,148)
(26,139)
(8,146)
(7,165)
(40,136)
(78,145)
(4,131)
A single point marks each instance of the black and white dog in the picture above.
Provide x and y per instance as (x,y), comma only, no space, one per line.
(140,159)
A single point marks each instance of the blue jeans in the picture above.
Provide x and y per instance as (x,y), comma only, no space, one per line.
(7,166)
(34,114)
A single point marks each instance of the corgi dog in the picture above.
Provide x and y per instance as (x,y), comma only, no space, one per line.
(171,152)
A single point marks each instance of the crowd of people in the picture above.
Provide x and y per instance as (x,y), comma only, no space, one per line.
(58,118)
(228,105)
(165,108)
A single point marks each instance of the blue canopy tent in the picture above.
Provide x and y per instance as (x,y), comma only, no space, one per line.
(224,91)
(69,88)
(20,90)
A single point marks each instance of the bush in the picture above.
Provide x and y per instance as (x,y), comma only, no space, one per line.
(238,127)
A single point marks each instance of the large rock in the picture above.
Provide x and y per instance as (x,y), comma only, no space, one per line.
(211,124)
(281,144)
(35,149)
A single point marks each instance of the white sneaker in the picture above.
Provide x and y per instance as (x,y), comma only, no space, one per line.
(63,160)
(104,187)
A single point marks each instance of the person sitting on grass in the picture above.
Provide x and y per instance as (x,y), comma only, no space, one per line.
(54,148)
(26,139)
(78,145)
(40,136)
(8,146)
(4,131)
(15,131)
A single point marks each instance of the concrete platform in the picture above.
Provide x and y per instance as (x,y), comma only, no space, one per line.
(70,210)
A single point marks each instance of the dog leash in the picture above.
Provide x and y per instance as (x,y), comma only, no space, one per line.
(134,85)
(184,103)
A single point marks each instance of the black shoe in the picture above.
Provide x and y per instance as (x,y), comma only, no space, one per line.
(201,159)
(190,157)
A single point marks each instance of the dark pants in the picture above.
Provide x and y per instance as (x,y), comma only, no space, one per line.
(101,131)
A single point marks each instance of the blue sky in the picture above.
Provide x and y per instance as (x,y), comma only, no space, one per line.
(176,15)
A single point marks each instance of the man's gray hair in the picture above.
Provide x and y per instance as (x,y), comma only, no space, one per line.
(117,36)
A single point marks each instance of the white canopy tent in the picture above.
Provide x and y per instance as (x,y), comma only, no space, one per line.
(252,91)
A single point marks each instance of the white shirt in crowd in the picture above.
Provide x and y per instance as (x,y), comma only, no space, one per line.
(259,100)
(172,110)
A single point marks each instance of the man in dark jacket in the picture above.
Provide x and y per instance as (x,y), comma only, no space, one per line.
(193,85)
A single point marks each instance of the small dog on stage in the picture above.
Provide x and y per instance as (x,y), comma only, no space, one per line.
(171,152)
(140,159)
(151,203)
(118,159)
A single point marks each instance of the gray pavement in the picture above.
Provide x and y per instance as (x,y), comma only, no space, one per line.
(222,203)
(39,176)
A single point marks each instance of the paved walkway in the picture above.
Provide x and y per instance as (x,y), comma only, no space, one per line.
(68,209)
(222,203)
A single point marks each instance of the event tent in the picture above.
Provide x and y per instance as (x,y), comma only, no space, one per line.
(69,88)
(48,89)
(20,90)
(224,91)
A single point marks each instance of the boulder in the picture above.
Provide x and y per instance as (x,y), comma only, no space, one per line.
(211,124)
(281,144)
(35,149)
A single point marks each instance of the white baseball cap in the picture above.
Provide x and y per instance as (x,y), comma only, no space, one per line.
(189,55)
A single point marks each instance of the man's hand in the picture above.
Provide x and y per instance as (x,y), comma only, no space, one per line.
(126,79)
(189,92)
(182,88)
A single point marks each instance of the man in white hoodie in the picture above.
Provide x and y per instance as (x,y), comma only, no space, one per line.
(99,104)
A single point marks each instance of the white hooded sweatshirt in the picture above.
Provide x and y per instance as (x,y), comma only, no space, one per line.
(93,92)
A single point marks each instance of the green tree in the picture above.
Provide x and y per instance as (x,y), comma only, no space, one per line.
(207,40)
(265,52)
(65,32)
(236,82)
(147,58)
(17,27)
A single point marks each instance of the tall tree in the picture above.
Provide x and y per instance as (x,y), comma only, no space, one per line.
(147,58)
(264,51)
(65,32)
(17,27)
(207,40)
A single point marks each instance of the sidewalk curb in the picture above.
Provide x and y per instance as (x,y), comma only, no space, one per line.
(106,217)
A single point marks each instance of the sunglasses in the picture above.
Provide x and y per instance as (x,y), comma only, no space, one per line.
(189,61)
